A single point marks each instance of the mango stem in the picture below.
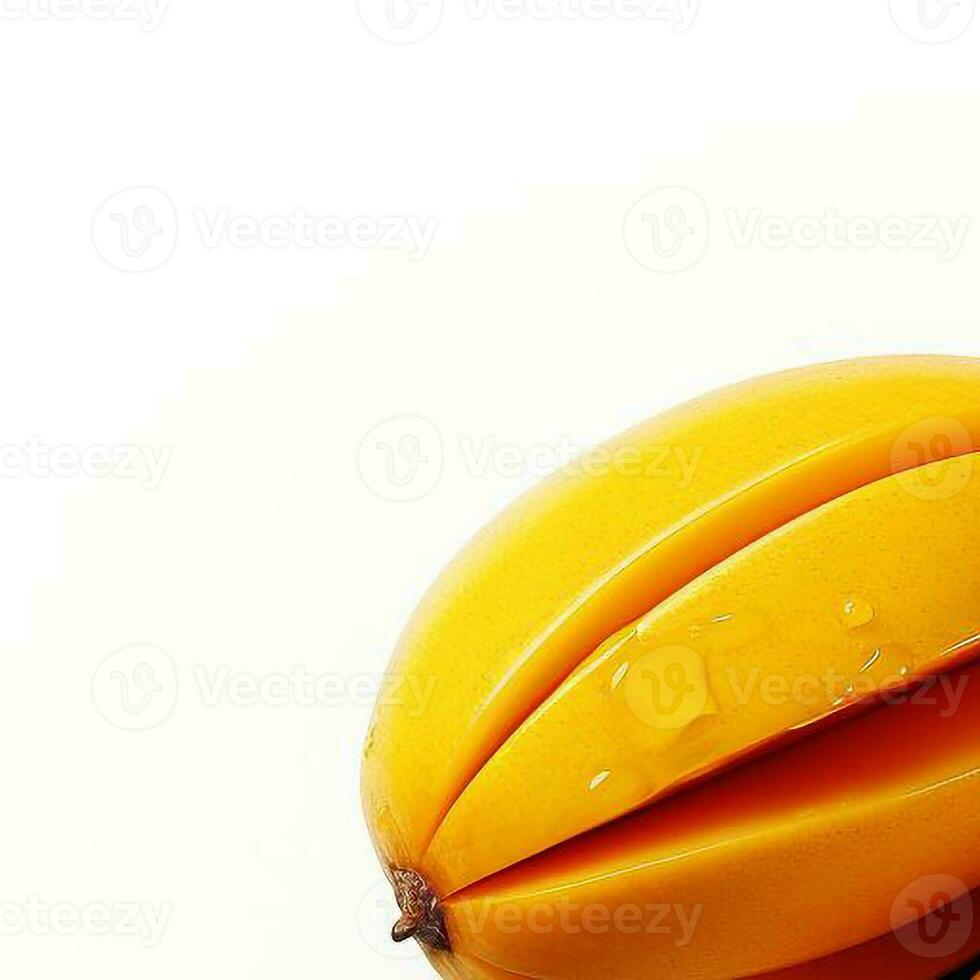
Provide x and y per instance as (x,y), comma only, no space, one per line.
(421,913)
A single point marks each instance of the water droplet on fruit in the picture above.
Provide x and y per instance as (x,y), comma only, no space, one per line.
(599,779)
(871,661)
(858,612)
(728,631)
(620,674)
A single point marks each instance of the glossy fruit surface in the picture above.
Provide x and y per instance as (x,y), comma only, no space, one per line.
(677,718)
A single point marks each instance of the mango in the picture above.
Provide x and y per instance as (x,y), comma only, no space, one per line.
(712,719)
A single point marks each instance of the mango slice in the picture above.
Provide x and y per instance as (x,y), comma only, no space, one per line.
(786,860)
(750,573)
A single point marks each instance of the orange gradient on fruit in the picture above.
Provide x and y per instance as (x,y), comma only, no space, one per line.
(687,676)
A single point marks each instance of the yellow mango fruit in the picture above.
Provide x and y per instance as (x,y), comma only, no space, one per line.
(610,661)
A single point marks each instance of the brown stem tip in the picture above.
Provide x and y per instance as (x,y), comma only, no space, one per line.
(422,917)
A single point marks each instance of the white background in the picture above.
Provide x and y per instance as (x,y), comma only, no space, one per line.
(255,532)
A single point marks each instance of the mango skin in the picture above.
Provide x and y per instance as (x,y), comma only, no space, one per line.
(593,550)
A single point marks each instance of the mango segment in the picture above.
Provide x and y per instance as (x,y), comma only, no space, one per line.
(789,859)
(817,616)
